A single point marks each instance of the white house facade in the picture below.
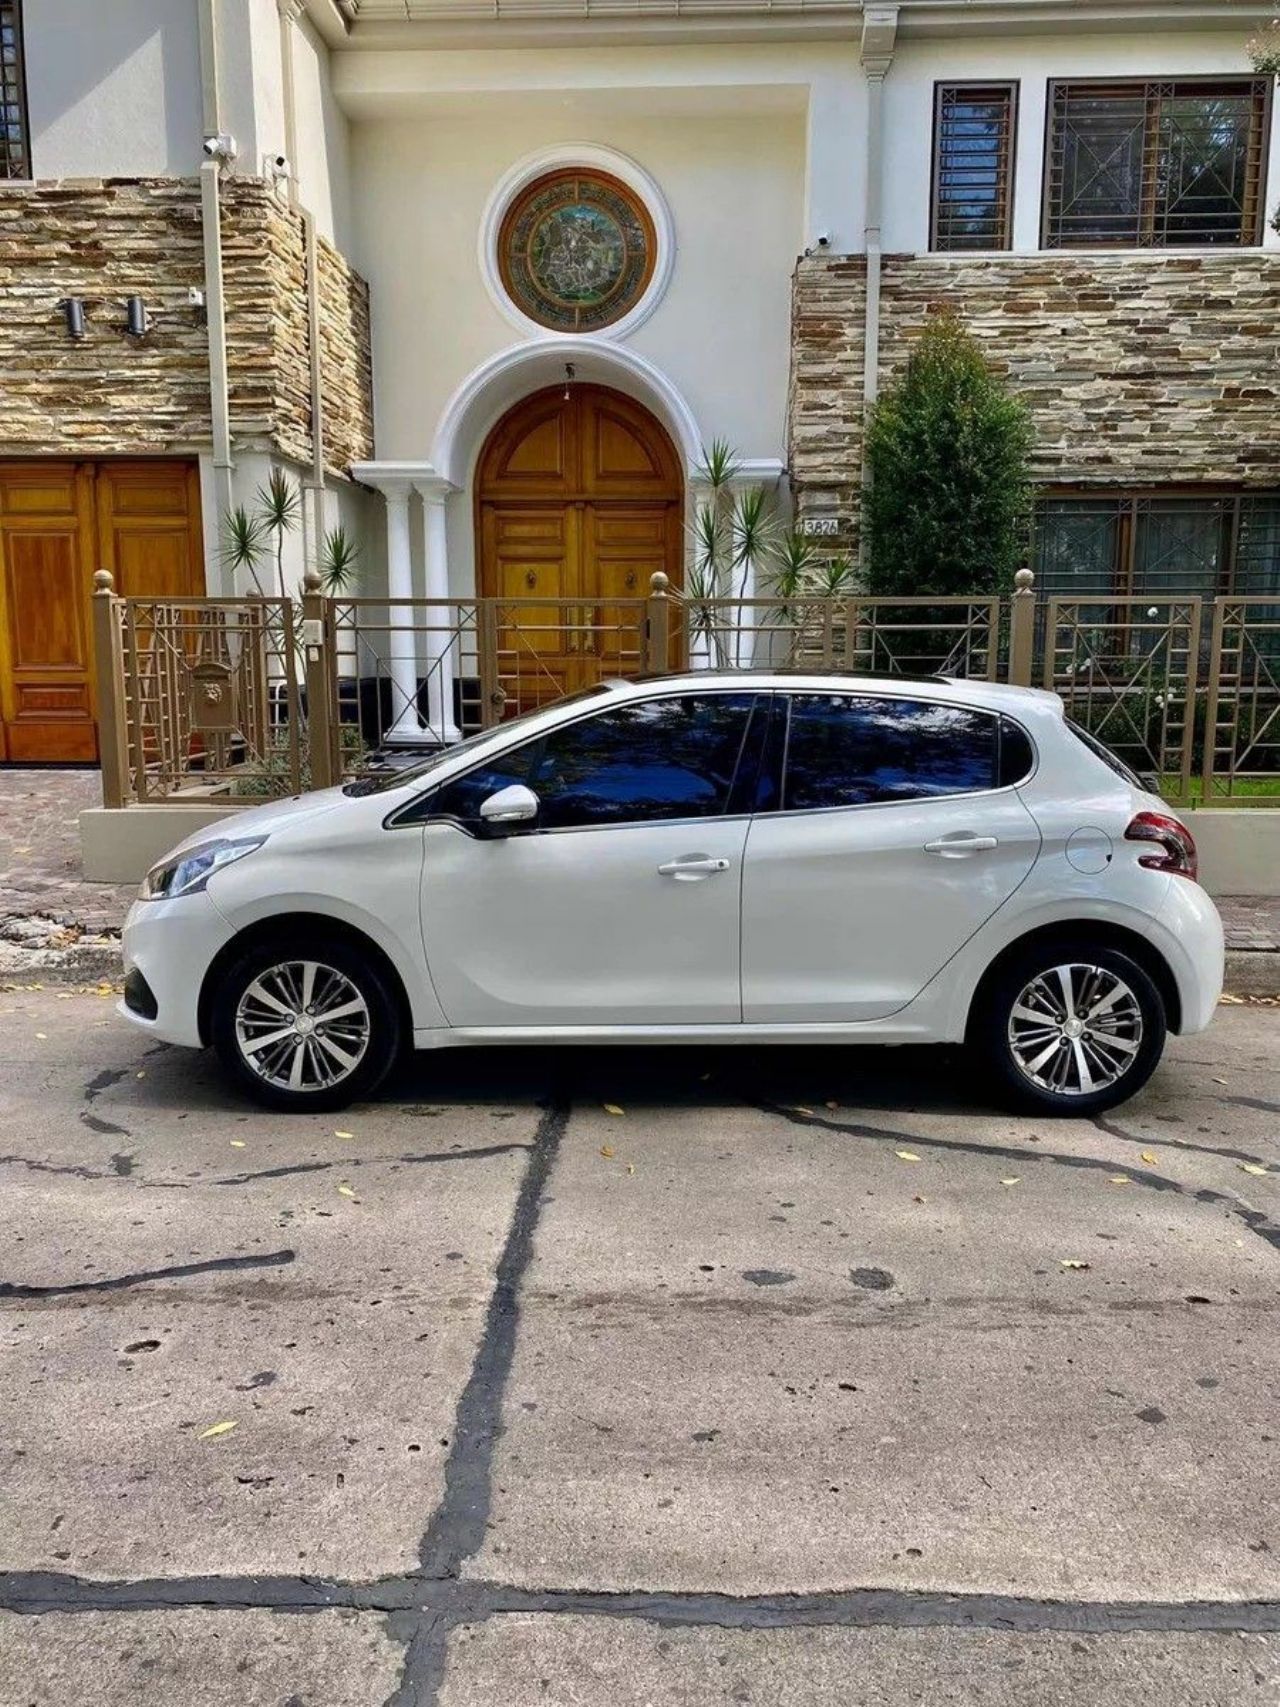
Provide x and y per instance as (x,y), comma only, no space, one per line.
(486,279)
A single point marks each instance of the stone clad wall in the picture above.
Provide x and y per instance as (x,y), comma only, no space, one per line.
(1138,369)
(104,240)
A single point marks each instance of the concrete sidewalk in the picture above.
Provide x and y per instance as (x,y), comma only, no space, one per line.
(54,925)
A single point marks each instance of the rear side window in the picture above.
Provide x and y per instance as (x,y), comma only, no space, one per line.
(851,750)
(1017,755)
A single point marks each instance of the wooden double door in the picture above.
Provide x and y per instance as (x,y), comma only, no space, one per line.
(59,523)
(579,500)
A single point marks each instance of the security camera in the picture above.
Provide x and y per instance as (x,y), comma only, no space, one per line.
(823,240)
(221,146)
(278,165)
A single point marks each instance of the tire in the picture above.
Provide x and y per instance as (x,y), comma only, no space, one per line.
(321,1064)
(1025,1036)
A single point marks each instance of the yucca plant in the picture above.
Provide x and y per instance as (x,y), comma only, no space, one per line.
(243,543)
(339,554)
(752,530)
(278,508)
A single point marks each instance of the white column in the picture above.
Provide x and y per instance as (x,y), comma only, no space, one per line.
(402,659)
(442,645)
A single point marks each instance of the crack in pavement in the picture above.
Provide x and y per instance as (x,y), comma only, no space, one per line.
(1113,1130)
(77,1172)
(458,1155)
(177,1271)
(1255,1220)
(425,1608)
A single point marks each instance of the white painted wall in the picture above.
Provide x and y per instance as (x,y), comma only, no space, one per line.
(113,90)
(1032,60)
(721,334)
(322,166)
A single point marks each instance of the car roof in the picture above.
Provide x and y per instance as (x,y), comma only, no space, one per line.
(998,696)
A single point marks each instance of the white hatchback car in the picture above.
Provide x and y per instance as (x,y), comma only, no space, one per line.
(738,858)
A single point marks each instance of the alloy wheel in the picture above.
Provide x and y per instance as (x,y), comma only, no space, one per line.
(1075,1029)
(302,1026)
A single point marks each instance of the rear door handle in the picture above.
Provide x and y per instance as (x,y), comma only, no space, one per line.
(957,847)
(693,865)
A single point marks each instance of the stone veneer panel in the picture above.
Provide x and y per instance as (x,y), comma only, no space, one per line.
(1138,369)
(104,240)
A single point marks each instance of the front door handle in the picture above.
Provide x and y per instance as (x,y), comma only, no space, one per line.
(692,866)
(957,847)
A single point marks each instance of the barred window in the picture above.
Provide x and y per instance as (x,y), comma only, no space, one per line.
(1155,164)
(1161,544)
(15,150)
(973,130)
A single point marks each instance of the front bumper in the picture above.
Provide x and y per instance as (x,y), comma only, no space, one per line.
(171,944)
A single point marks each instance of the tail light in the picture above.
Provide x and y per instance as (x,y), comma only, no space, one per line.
(1177,849)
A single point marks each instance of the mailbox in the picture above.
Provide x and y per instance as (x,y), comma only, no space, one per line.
(213,698)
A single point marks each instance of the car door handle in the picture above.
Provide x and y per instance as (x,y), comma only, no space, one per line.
(956,847)
(693,865)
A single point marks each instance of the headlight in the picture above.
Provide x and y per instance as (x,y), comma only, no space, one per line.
(187,873)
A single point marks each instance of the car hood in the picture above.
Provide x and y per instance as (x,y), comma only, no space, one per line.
(264,820)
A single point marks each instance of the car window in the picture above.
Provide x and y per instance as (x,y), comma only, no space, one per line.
(1017,755)
(856,750)
(641,762)
(463,797)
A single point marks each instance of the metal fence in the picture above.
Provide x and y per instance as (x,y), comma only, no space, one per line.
(252,698)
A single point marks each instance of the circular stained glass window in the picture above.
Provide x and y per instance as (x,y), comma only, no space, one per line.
(577,250)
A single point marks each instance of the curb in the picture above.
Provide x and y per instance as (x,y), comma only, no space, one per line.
(1250,971)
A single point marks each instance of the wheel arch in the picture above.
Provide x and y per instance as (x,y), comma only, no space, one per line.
(1102,933)
(288,927)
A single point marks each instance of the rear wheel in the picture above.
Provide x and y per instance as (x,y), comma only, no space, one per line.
(305,1029)
(1071,1029)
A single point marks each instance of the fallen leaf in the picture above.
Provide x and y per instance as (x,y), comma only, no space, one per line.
(1231,1001)
(215,1429)
(799,1108)
(344,1134)
(1118,1179)
(1219,1081)
(906,1155)
(1073,1262)
(612,1108)
(141,1075)
(1150,1156)
(345,1190)
(43,1036)
(1253,1168)
(237,1143)
(1012,1179)
(831,1105)
(918,1199)
(631,1167)
(607,1152)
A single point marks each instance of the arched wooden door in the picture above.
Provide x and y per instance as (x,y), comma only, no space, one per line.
(578,499)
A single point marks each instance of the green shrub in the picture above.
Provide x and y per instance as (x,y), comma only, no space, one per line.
(949,497)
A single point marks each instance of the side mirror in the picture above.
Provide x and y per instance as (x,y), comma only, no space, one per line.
(509,807)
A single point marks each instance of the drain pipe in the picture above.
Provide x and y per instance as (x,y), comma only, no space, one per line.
(288,12)
(211,228)
(879,33)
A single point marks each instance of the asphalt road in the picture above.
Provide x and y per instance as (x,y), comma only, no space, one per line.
(801,1378)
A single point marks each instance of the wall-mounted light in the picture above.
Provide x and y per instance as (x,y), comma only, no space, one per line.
(136,323)
(568,379)
(73,309)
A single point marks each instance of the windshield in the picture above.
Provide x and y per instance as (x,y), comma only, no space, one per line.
(400,776)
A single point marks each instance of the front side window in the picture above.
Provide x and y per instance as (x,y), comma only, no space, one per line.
(973,165)
(1155,163)
(851,750)
(640,762)
(15,144)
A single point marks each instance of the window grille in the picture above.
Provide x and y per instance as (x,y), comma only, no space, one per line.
(15,151)
(1161,544)
(1155,164)
(973,150)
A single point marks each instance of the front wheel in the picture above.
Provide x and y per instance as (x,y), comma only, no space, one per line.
(1070,1029)
(305,1029)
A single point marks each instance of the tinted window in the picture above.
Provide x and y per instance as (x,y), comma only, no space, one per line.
(1017,755)
(846,750)
(650,759)
(645,760)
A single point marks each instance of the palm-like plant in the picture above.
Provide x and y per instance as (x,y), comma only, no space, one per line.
(278,506)
(752,529)
(339,553)
(243,543)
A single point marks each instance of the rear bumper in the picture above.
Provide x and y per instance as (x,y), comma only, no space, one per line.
(1188,932)
(170,945)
